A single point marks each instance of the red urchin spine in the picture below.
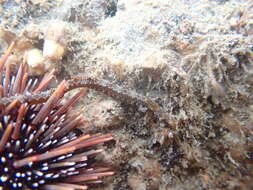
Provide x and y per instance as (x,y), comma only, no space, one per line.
(40,145)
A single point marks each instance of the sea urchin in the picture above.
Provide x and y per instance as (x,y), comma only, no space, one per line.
(40,145)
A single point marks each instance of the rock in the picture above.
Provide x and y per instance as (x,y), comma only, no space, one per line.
(105,113)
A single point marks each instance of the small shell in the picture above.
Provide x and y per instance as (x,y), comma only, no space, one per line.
(55,40)
(36,61)
(53,50)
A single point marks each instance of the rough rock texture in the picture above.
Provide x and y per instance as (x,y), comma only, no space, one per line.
(194,58)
